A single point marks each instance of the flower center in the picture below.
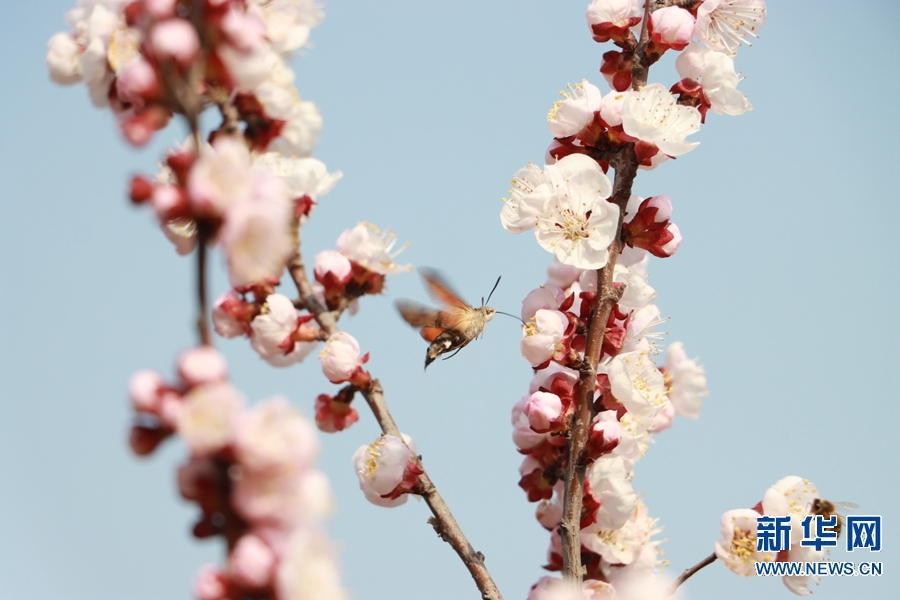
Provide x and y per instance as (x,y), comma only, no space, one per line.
(574,226)
(743,545)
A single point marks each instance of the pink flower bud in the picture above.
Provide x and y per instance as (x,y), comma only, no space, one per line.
(144,391)
(251,562)
(137,82)
(611,19)
(201,365)
(210,583)
(160,9)
(333,415)
(341,361)
(332,269)
(272,435)
(169,201)
(672,26)
(176,39)
(207,418)
(542,335)
(604,434)
(231,315)
(544,412)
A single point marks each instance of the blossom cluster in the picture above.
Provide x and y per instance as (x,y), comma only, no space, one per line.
(143,59)
(633,399)
(568,204)
(738,550)
(588,224)
(251,474)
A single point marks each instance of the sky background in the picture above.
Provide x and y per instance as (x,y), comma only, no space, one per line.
(784,287)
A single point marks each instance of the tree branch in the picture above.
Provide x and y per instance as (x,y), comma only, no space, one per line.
(625,164)
(443,521)
(688,572)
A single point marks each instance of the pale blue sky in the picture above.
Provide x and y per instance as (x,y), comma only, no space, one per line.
(784,288)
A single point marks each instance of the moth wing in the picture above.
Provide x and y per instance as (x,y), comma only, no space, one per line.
(441,291)
(430,333)
(418,315)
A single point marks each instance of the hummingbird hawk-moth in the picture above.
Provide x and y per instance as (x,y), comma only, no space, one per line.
(451,327)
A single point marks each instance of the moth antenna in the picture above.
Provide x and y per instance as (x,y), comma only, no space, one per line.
(500,312)
(492,291)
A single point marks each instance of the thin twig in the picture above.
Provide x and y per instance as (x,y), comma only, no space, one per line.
(444,522)
(688,572)
(202,306)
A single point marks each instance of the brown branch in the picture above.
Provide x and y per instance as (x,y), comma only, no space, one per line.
(443,521)
(640,69)
(202,303)
(688,572)
(625,164)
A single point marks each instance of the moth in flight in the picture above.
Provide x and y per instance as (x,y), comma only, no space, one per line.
(452,326)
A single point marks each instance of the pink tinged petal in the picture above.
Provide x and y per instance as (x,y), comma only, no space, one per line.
(308,569)
(223,320)
(252,562)
(672,26)
(202,365)
(575,111)
(540,298)
(340,357)
(609,480)
(737,547)
(333,263)
(137,81)
(543,411)
(542,334)
(561,275)
(210,583)
(62,59)
(144,391)
(272,435)
(524,437)
(207,418)
(176,39)
(380,465)
(245,30)
(160,9)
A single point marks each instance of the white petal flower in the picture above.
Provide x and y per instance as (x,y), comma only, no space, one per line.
(653,116)
(529,192)
(256,234)
(303,176)
(578,224)
(273,436)
(309,569)
(726,24)
(207,419)
(610,481)
(686,381)
(371,248)
(288,22)
(637,383)
(715,73)
(737,548)
(541,335)
(62,59)
(380,467)
(624,545)
(575,111)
